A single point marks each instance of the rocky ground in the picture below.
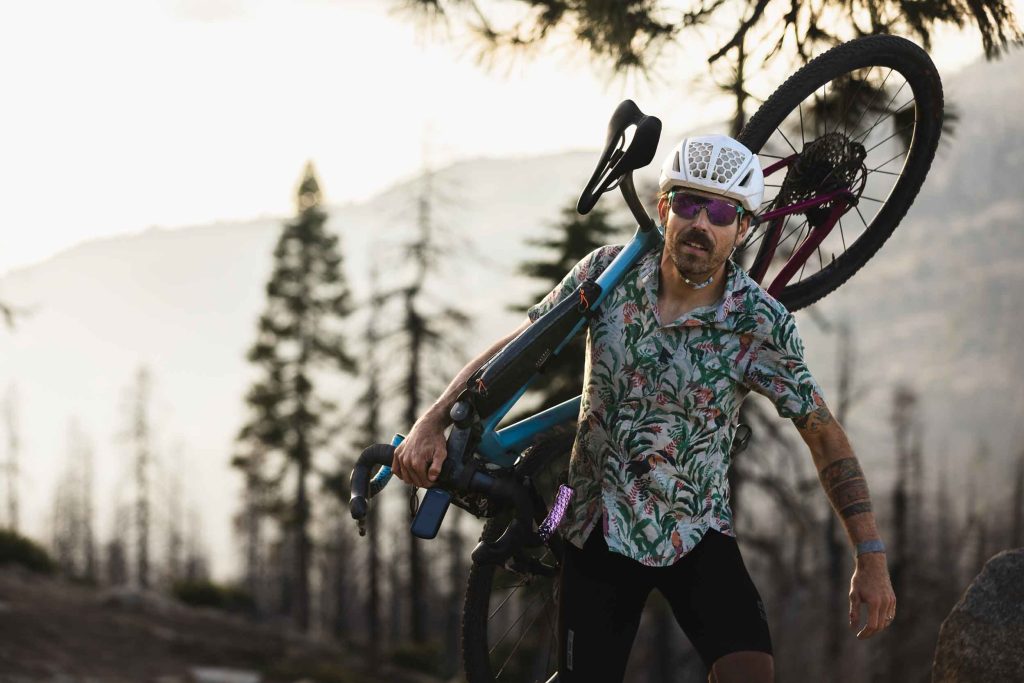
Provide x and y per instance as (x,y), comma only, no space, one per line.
(54,631)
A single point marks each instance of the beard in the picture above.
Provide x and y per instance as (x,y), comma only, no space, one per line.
(695,265)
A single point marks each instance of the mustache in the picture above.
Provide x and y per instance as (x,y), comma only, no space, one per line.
(698,238)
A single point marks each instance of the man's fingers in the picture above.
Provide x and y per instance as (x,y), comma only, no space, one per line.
(396,461)
(412,473)
(890,612)
(854,610)
(875,617)
(435,468)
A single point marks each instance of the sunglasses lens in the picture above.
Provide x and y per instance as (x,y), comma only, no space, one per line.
(721,212)
(688,206)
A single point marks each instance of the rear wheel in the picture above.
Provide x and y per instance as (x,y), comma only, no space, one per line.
(510,616)
(861,121)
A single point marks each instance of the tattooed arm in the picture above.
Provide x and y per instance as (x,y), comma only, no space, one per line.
(844,484)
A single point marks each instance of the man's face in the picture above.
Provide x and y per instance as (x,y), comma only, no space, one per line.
(697,246)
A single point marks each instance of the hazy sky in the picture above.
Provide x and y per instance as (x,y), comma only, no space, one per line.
(123,114)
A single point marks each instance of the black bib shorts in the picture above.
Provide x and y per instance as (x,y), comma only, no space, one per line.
(602,596)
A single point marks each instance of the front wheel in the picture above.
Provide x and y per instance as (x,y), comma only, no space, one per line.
(510,615)
(846,143)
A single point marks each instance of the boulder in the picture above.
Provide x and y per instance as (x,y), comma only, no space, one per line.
(982,639)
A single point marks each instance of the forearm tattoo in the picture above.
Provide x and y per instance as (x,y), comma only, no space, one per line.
(814,420)
(846,487)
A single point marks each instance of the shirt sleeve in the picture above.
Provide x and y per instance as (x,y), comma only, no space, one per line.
(580,272)
(777,371)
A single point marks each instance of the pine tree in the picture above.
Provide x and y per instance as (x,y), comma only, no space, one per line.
(299,334)
(140,437)
(10,467)
(426,345)
(906,511)
(249,522)
(73,540)
(174,529)
(574,237)
(370,402)
(116,550)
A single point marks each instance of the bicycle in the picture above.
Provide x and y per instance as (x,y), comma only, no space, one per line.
(514,476)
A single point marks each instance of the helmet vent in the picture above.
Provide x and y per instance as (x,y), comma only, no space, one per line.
(727,164)
(699,159)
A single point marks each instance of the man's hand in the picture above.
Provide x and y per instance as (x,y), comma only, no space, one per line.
(418,458)
(870,587)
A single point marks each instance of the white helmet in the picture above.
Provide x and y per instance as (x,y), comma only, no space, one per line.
(716,164)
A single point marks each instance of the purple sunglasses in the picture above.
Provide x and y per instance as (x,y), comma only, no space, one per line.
(721,212)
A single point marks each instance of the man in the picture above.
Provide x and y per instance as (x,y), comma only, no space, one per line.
(671,354)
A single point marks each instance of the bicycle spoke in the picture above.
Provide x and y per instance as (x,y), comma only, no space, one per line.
(868,132)
(779,130)
(552,639)
(875,170)
(799,227)
(848,88)
(891,113)
(751,240)
(846,130)
(800,277)
(861,215)
(863,138)
(513,591)
(881,88)
(516,646)
(824,102)
(514,623)
(909,125)
(803,142)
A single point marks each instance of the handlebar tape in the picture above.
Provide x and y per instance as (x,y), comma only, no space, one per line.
(377,454)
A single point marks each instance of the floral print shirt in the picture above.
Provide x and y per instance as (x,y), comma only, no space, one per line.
(660,405)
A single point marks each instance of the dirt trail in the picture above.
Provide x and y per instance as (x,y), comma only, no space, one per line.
(51,630)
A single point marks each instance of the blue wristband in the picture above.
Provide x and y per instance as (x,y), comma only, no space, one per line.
(875,546)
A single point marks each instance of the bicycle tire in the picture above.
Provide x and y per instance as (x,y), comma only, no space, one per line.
(916,67)
(483,660)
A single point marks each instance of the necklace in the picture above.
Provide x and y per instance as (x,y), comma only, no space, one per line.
(698,285)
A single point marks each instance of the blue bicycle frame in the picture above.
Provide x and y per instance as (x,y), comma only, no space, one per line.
(504,446)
